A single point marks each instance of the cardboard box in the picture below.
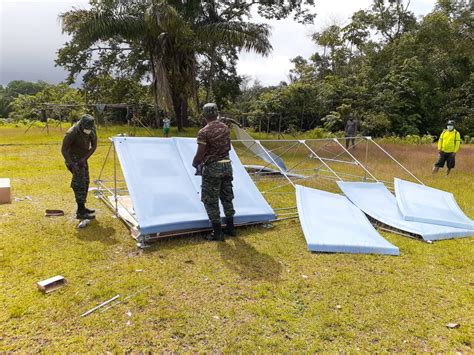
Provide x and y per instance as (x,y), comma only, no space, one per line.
(5,196)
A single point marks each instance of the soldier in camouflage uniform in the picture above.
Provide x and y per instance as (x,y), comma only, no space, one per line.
(79,143)
(213,156)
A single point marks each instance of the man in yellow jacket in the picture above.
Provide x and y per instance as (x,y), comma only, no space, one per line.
(448,145)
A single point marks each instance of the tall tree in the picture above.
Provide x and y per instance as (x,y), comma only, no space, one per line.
(170,34)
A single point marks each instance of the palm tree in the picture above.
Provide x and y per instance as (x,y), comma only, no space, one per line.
(172,34)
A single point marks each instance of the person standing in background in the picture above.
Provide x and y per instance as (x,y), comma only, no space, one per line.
(166,126)
(350,131)
(448,145)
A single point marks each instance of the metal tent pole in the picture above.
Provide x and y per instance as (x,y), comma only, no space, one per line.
(105,161)
(354,158)
(115,181)
(279,156)
(321,160)
(273,161)
(366,156)
(395,160)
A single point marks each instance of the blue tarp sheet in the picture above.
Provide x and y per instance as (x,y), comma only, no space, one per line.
(331,223)
(425,204)
(166,193)
(378,202)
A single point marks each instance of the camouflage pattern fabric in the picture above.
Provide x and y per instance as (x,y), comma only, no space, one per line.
(81,142)
(217,185)
(80,181)
(216,136)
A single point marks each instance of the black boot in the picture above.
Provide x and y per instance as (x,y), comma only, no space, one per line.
(82,207)
(83,212)
(229,227)
(216,234)
(84,215)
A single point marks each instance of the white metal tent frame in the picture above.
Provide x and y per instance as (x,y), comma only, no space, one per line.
(291,178)
(112,190)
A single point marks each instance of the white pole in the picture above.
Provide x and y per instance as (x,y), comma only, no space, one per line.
(321,160)
(395,160)
(274,162)
(358,162)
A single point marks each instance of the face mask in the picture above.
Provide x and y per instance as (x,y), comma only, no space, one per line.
(450,128)
(87,131)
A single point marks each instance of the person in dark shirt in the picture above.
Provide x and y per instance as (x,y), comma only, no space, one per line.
(79,143)
(350,131)
(212,161)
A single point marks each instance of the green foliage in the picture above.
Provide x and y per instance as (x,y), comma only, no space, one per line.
(332,121)
(16,88)
(318,133)
(165,40)
(376,124)
(335,120)
(468,140)
(29,106)
(409,79)
(410,139)
(107,89)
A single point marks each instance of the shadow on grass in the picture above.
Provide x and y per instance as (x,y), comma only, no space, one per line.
(245,260)
(96,232)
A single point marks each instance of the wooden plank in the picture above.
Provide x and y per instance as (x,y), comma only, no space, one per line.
(125,208)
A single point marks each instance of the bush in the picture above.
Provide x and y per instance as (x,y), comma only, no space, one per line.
(410,139)
(468,140)
(376,124)
(319,132)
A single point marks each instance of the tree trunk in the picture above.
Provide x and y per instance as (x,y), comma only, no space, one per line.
(184,112)
(155,89)
(178,113)
(210,78)
(180,104)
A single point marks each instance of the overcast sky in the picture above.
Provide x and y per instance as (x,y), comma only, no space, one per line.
(30,35)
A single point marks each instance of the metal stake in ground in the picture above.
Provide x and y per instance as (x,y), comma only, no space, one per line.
(99,306)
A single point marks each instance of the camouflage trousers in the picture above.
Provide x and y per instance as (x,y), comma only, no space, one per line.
(80,181)
(217,185)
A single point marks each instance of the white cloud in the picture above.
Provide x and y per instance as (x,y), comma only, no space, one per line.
(265,70)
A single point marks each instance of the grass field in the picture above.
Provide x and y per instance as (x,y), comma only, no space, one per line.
(262,291)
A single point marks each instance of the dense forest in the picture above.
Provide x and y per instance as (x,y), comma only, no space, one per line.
(395,73)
